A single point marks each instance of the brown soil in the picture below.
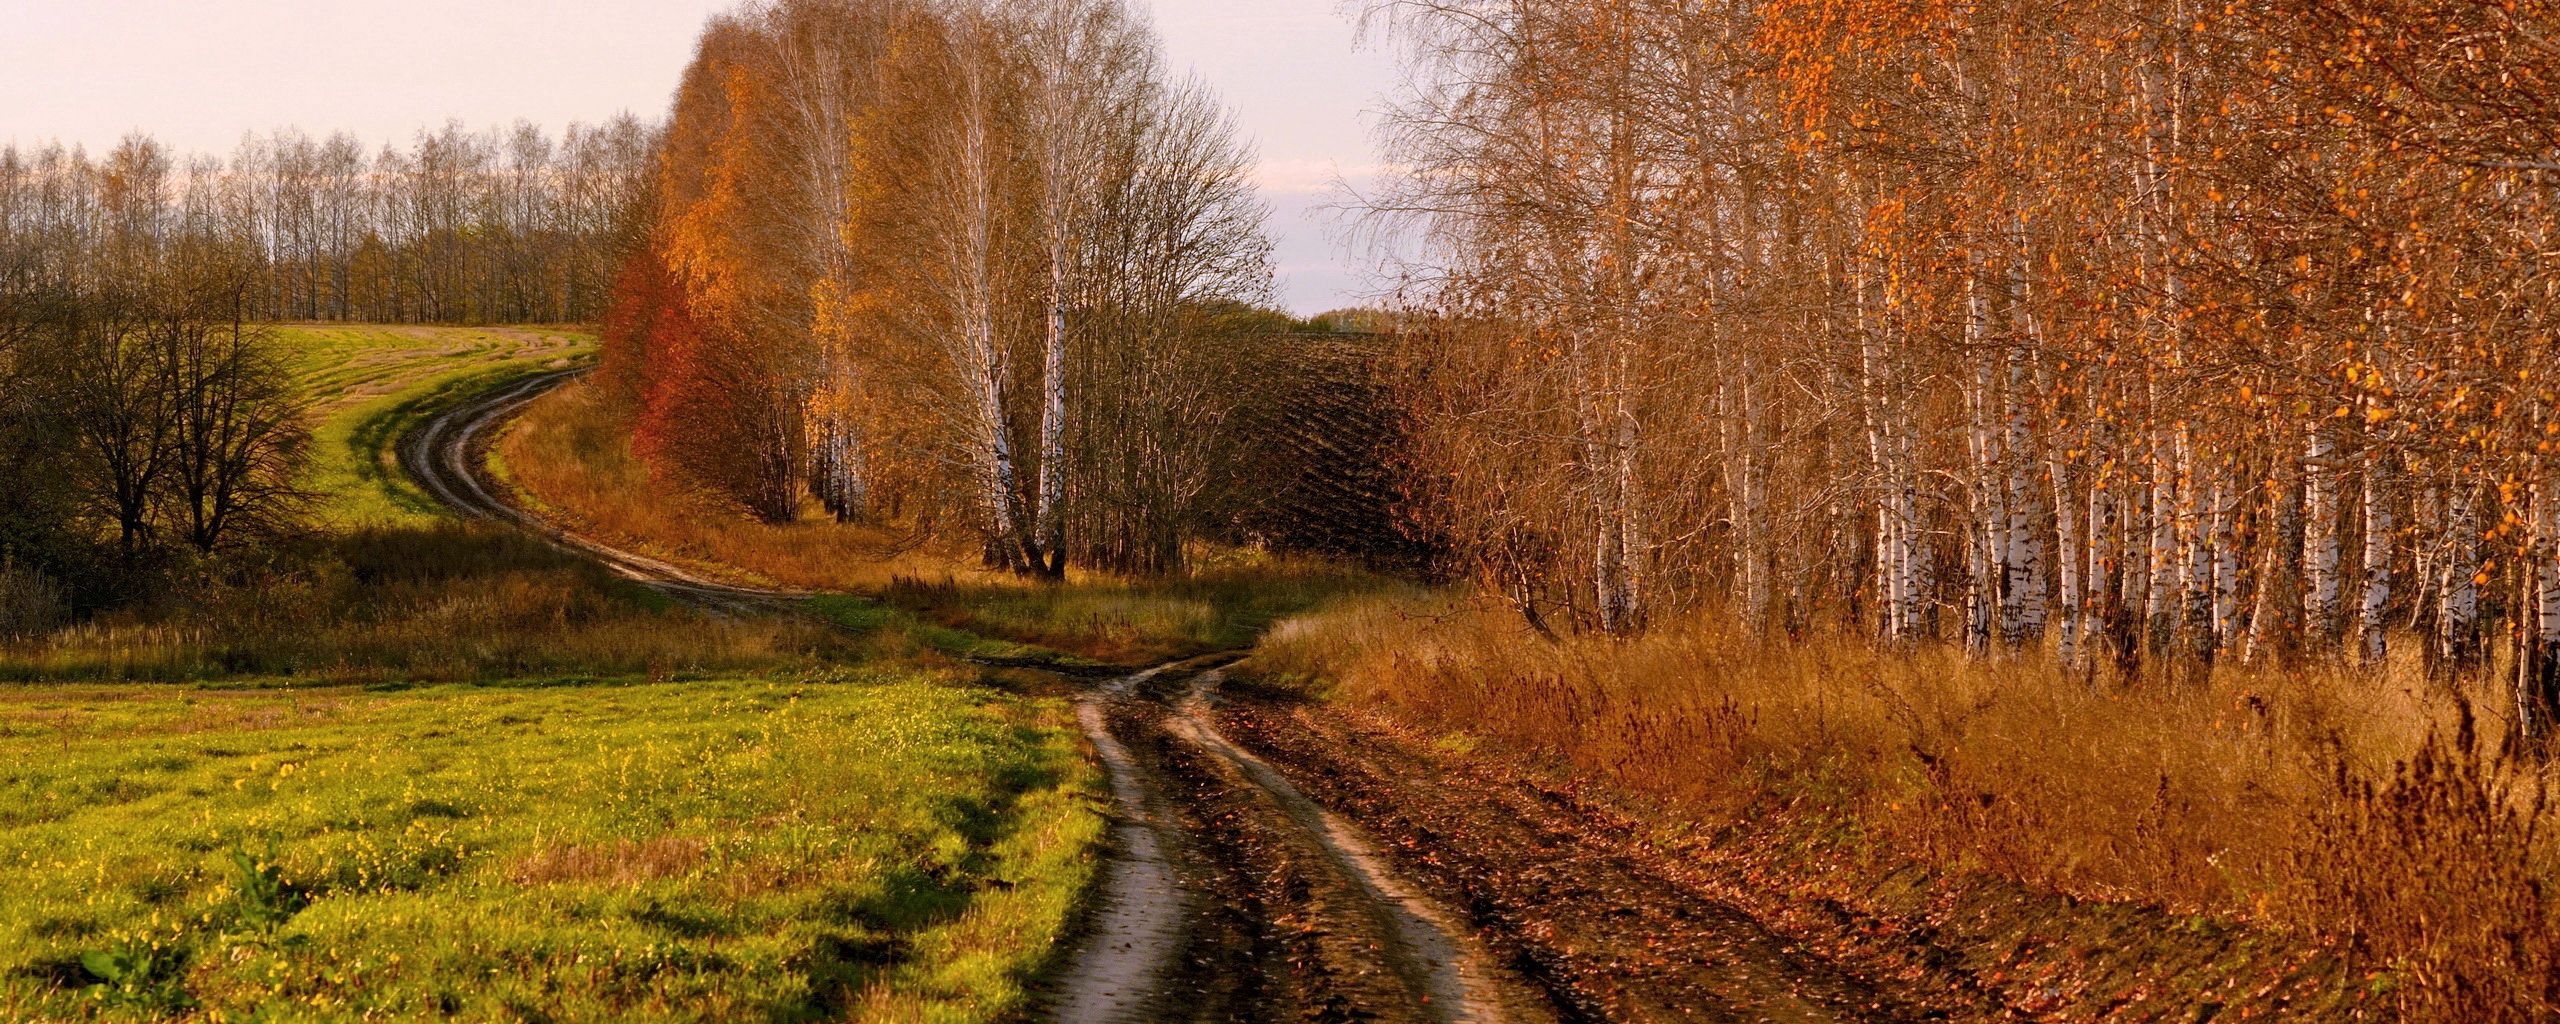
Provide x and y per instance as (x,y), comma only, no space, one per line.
(1614,923)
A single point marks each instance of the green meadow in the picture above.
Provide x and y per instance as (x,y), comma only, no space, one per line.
(869,844)
(371,383)
(439,771)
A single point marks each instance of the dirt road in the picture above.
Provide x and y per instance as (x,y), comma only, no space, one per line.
(448,457)
(1270,862)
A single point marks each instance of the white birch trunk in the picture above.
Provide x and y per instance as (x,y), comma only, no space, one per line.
(2538,664)
(2372,626)
(1746,493)
(1052,513)
(1895,555)
(2165,578)
(2274,566)
(2458,595)
(2222,531)
(2027,587)
(2320,545)
(1987,546)
(2067,559)
(2095,578)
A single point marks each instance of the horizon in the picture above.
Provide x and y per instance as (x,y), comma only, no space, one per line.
(1300,88)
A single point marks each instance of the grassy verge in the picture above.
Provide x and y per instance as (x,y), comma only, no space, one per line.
(372,383)
(570,458)
(2354,807)
(888,846)
(447,603)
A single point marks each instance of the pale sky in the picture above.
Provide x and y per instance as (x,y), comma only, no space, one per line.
(200,73)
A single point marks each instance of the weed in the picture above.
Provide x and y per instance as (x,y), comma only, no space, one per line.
(140,974)
(261,900)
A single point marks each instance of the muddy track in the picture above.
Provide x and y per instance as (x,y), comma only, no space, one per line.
(1235,897)
(1572,897)
(1229,895)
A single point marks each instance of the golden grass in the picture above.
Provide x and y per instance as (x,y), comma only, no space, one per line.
(450,603)
(2359,805)
(570,456)
(618,862)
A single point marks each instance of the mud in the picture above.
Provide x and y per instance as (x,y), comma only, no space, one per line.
(1271,861)
(1232,896)
(1568,901)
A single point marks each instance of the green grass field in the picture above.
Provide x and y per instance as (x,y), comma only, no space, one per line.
(877,845)
(371,383)
(247,806)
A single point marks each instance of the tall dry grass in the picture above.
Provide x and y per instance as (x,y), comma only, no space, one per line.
(570,456)
(447,603)
(2364,805)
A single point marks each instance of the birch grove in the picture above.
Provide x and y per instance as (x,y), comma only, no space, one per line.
(460,227)
(960,266)
(2138,336)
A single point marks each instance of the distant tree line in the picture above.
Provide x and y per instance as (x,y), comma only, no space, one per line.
(143,412)
(462,226)
(982,266)
(148,419)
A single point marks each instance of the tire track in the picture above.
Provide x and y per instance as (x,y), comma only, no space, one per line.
(1437,958)
(1155,881)
(1118,969)
(447,456)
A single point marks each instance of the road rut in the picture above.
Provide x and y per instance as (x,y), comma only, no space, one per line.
(1228,895)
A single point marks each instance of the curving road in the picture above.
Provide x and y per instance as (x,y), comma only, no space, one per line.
(448,456)
(1229,894)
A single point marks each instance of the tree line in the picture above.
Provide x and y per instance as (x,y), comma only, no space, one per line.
(149,419)
(2143,334)
(462,226)
(981,266)
(142,410)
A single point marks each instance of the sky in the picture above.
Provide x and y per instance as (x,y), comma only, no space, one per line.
(199,74)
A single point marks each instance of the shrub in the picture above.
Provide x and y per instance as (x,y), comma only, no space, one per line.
(31,603)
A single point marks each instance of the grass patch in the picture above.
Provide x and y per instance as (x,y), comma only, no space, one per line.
(869,844)
(1225,605)
(371,383)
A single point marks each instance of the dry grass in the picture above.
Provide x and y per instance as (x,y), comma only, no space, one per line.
(452,603)
(618,862)
(2358,805)
(570,455)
